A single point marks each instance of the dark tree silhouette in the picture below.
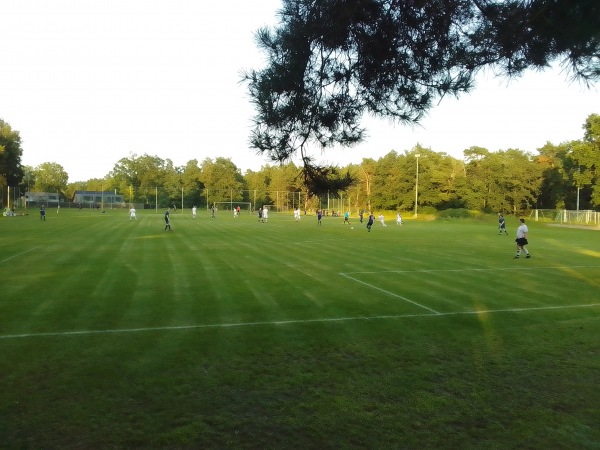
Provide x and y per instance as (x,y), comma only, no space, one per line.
(330,62)
(11,169)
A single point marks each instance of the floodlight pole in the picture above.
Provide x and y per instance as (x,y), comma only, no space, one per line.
(417,155)
(578,171)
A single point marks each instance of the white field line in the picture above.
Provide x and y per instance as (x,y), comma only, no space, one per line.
(390,293)
(472,269)
(348,275)
(18,254)
(288,322)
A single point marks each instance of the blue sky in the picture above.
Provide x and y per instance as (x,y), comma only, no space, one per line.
(88,82)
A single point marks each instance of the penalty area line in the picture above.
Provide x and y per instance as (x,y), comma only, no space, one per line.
(390,293)
(292,322)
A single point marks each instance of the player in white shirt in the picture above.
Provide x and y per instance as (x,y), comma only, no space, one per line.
(382,220)
(132,214)
(398,219)
(521,240)
(194,212)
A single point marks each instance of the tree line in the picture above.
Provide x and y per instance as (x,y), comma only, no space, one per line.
(562,176)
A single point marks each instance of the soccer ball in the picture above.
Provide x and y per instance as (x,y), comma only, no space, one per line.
(352,228)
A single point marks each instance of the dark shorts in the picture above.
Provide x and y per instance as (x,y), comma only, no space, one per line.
(521,242)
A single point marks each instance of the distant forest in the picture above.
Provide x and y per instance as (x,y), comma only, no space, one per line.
(562,176)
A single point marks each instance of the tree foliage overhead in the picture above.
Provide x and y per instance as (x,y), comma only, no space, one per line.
(330,62)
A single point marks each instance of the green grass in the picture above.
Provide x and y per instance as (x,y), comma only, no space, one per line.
(237,334)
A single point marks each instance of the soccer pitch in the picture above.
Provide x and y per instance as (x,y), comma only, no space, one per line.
(233,333)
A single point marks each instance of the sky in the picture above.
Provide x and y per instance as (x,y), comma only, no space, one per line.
(88,82)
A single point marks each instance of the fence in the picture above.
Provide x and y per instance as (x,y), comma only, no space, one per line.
(564,216)
(159,197)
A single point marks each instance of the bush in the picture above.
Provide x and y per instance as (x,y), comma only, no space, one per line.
(427,210)
(456,213)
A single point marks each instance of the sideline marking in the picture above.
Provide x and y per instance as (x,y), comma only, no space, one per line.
(289,322)
(390,293)
(19,254)
(474,269)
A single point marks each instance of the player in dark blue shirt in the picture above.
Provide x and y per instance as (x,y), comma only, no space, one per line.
(167,221)
(371,221)
(501,224)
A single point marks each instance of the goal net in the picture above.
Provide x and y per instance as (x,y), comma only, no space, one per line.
(245,207)
(587,217)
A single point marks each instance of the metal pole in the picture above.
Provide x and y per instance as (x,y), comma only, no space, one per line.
(578,171)
(417,186)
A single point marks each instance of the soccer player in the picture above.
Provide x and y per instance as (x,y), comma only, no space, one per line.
(42,213)
(213,210)
(132,214)
(319,216)
(167,221)
(398,219)
(360,215)
(265,214)
(370,221)
(501,224)
(521,240)
(382,220)
(194,211)
(347,218)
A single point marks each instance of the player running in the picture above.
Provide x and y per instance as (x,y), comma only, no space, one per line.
(370,221)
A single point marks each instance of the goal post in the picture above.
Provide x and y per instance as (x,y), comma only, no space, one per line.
(565,216)
(230,206)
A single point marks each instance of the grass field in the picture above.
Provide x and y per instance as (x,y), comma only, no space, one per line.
(231,333)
